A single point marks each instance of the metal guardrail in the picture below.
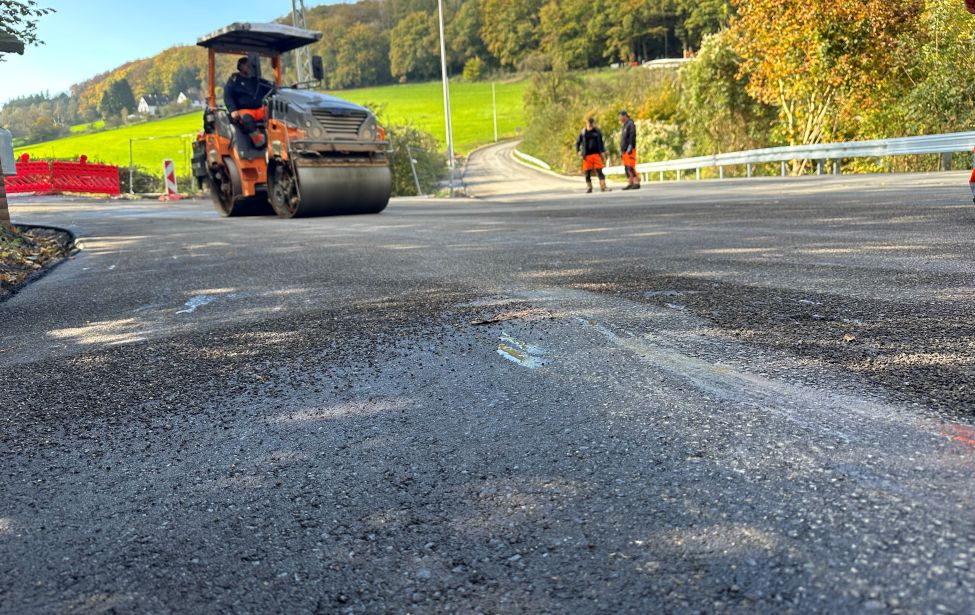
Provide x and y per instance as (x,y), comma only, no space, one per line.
(820,152)
(539,163)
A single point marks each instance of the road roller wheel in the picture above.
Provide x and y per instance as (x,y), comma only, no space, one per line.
(221,190)
(283,190)
(338,190)
(224,190)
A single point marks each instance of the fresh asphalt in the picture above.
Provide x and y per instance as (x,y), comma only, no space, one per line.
(737,396)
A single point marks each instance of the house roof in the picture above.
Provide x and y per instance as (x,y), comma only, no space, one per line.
(154,100)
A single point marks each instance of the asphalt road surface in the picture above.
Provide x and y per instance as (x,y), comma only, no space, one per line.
(737,396)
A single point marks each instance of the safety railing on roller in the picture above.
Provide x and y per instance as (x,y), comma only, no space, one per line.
(819,154)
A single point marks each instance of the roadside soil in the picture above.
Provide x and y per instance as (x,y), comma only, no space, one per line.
(26,251)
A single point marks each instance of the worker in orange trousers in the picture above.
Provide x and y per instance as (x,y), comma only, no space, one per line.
(591,149)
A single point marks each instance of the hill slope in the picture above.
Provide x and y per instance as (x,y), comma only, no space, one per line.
(420,104)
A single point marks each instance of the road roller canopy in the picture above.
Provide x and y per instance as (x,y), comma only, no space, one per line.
(262,38)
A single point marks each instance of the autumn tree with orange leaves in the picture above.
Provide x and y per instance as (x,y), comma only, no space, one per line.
(823,64)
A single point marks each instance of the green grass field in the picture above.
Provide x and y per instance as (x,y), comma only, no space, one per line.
(97,124)
(420,104)
(470,109)
(112,146)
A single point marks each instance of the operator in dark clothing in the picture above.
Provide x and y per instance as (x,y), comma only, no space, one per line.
(244,96)
(628,150)
(591,149)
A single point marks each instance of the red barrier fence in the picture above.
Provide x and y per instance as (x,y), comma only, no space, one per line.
(30,177)
(51,177)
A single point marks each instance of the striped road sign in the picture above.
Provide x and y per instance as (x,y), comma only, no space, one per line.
(169,172)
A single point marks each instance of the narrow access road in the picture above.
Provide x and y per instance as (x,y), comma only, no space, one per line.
(493,173)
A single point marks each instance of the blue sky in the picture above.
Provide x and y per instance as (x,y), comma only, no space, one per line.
(87,37)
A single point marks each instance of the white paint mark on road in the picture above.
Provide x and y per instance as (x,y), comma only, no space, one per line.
(196,301)
(353,409)
(520,353)
(669,293)
(726,382)
(131,340)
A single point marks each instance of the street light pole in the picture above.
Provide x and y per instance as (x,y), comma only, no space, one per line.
(302,55)
(446,99)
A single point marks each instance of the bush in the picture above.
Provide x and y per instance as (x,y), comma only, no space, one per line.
(408,141)
(658,141)
(147,182)
(717,113)
(474,69)
(535,62)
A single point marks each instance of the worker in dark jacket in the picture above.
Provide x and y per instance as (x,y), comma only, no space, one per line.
(244,96)
(591,149)
(628,150)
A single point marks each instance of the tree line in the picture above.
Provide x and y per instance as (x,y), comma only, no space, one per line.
(376,42)
(373,42)
(783,73)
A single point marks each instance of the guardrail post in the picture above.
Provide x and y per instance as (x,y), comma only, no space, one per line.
(946,161)
(783,168)
(836,167)
(748,169)
(416,178)
(819,167)
(679,174)
(697,174)
(661,176)
(720,172)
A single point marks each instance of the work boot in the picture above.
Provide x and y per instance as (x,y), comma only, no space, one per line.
(588,187)
(628,187)
(635,186)
(602,186)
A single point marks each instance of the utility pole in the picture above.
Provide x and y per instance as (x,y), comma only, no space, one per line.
(302,54)
(446,99)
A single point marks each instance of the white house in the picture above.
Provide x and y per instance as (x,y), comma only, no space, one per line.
(191,98)
(150,103)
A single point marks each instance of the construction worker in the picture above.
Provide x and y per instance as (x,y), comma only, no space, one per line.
(244,96)
(628,150)
(591,149)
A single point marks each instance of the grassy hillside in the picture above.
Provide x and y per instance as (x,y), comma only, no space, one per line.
(421,104)
(470,107)
(112,146)
(96,125)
